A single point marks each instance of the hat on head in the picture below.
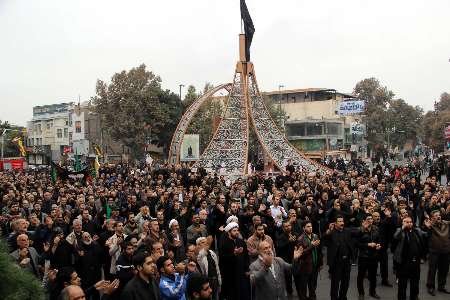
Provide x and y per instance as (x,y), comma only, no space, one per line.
(232,219)
(231,226)
(173,222)
(199,240)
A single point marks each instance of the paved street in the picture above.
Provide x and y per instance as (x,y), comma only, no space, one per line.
(323,289)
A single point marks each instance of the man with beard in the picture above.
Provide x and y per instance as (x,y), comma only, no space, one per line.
(439,252)
(176,244)
(143,286)
(114,244)
(234,264)
(369,244)
(339,255)
(286,241)
(131,227)
(87,261)
(125,268)
(198,288)
(267,273)
(254,240)
(75,236)
(209,265)
(196,230)
(410,247)
(310,262)
(104,236)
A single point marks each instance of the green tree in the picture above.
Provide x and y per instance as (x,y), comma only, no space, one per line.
(135,110)
(376,98)
(404,122)
(190,97)
(203,121)
(17,283)
(434,123)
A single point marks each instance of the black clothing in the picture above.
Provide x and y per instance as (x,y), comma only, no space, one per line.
(235,284)
(339,254)
(138,289)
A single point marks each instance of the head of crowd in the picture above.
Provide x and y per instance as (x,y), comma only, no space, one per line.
(171,227)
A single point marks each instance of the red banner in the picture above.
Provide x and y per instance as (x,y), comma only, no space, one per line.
(12,163)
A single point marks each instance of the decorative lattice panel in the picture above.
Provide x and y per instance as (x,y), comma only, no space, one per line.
(271,138)
(227,151)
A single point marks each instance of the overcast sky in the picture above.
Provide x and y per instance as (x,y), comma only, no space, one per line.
(51,51)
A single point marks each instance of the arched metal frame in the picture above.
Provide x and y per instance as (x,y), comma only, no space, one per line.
(227,152)
(177,140)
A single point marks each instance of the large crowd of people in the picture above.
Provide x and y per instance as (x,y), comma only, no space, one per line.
(170,232)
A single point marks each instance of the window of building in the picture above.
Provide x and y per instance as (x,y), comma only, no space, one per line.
(49,124)
(314,129)
(334,128)
(67,122)
(59,133)
(66,132)
(77,126)
(38,129)
(296,129)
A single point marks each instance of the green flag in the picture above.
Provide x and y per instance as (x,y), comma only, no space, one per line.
(53,174)
(108,212)
(77,166)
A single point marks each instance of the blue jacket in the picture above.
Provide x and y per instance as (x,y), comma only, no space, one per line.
(173,289)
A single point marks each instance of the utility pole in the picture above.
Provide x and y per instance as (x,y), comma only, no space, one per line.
(181,86)
(280,96)
(3,140)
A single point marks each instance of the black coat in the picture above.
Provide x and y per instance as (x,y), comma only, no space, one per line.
(366,237)
(331,241)
(235,283)
(138,289)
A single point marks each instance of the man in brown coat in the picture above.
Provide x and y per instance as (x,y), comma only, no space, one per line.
(439,253)
(305,276)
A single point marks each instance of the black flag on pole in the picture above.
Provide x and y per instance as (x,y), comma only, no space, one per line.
(248,28)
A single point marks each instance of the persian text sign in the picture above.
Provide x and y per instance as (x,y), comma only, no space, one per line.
(356,128)
(351,107)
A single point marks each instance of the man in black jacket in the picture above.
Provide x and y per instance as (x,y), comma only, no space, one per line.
(410,246)
(142,286)
(339,255)
(369,245)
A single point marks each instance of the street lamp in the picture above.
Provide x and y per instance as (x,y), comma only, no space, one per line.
(181,86)
(280,96)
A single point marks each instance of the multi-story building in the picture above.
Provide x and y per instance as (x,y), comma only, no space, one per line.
(86,133)
(48,133)
(313,123)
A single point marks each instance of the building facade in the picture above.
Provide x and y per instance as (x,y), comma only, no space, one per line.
(48,133)
(87,135)
(313,123)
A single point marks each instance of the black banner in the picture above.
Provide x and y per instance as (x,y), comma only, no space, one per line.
(248,28)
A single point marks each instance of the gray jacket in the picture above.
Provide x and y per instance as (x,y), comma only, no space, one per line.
(264,284)
(34,258)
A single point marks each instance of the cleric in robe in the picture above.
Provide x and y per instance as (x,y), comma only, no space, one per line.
(234,264)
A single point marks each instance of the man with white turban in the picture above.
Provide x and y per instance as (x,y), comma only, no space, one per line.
(234,264)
